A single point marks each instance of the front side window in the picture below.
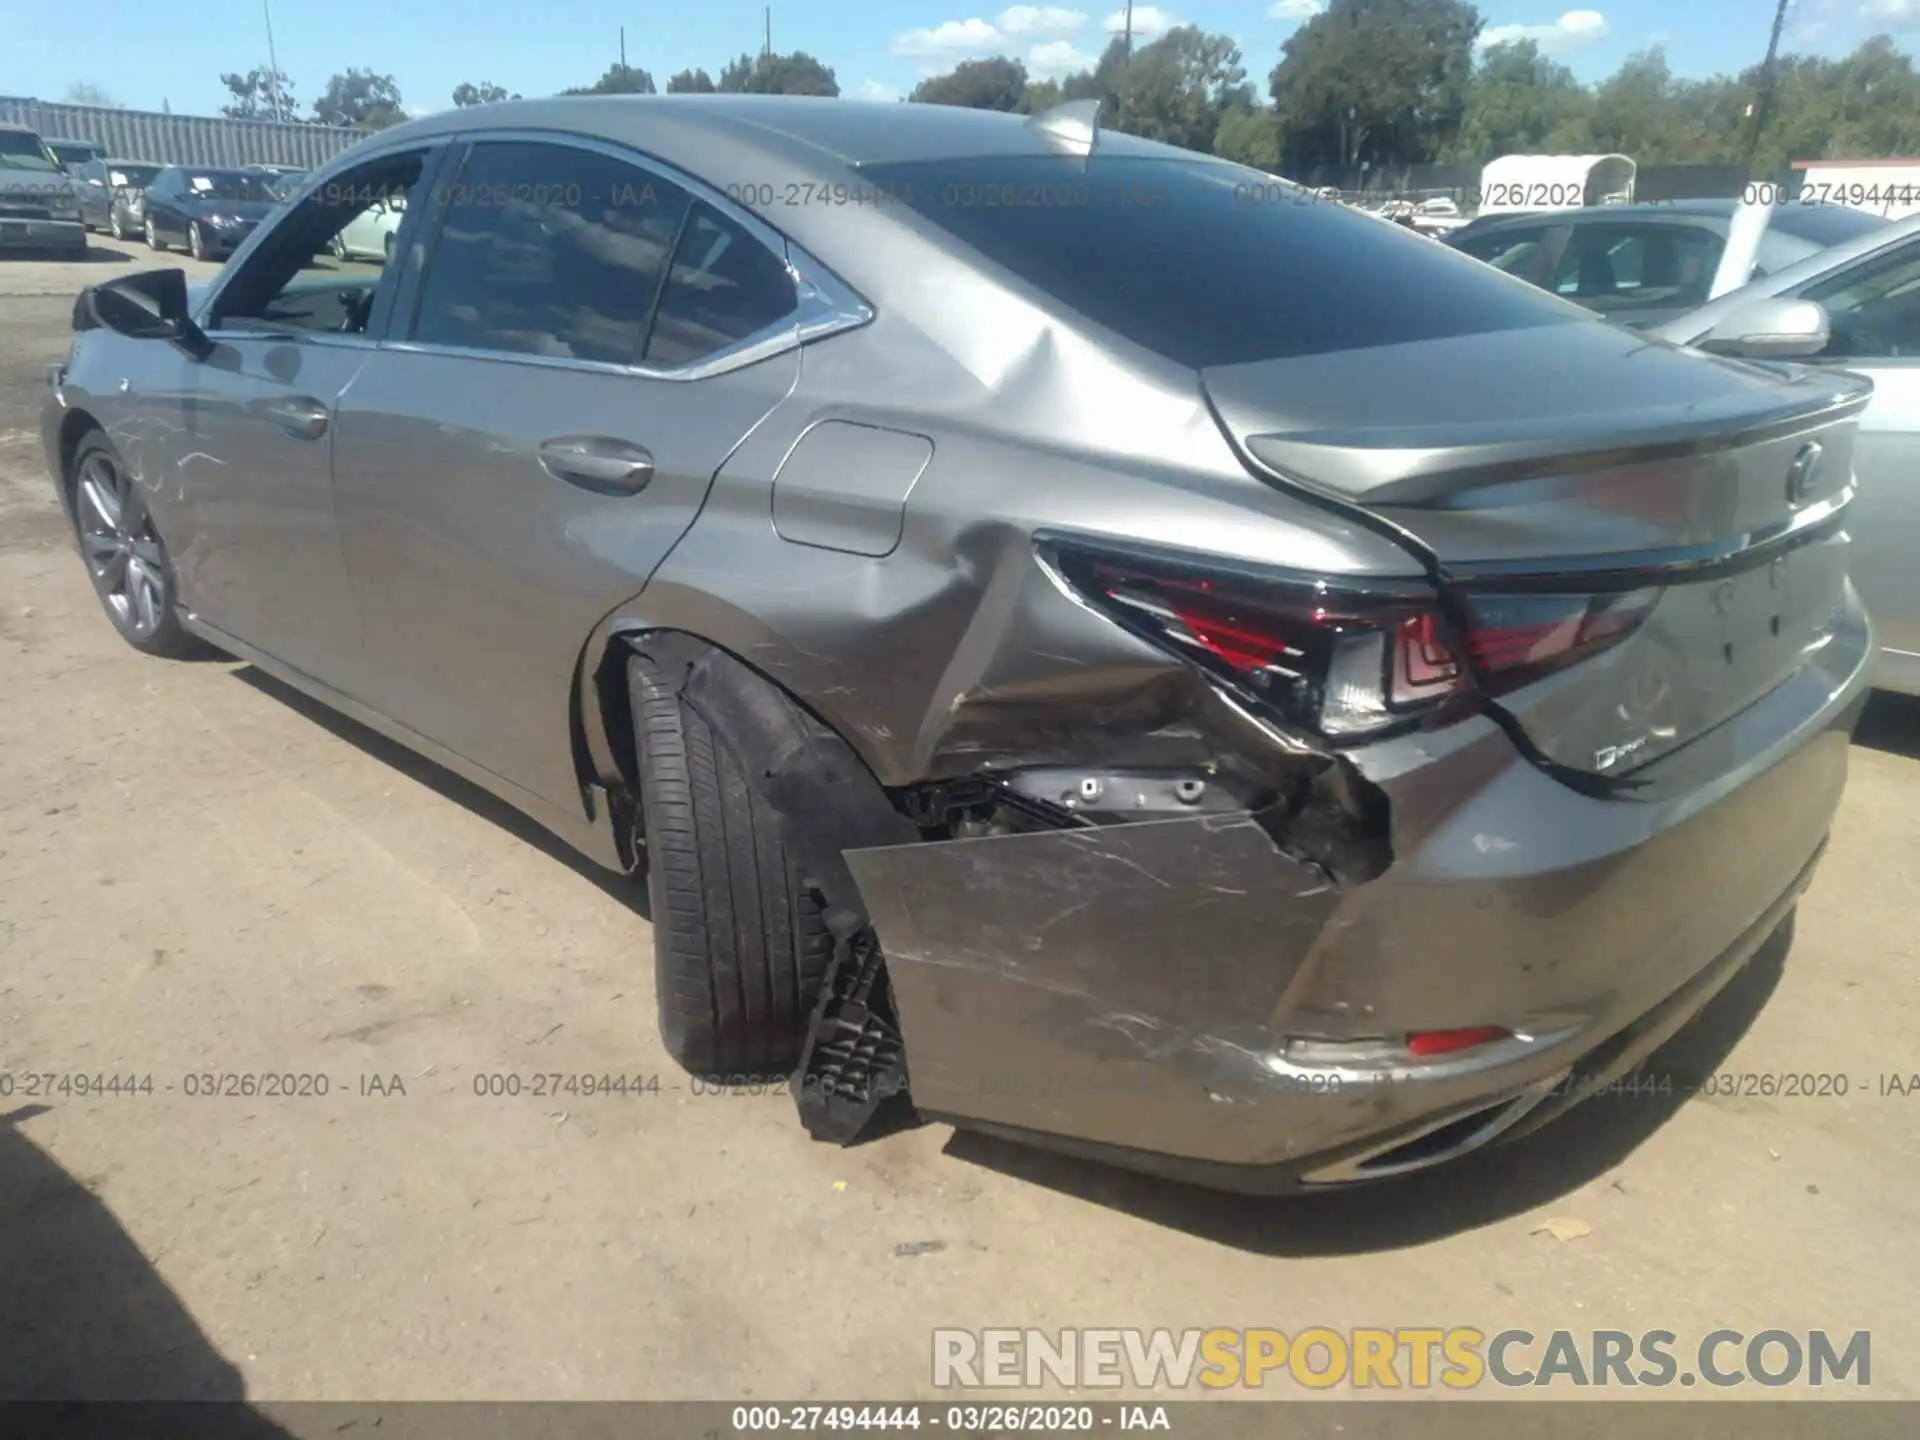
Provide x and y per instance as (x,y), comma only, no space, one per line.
(549,250)
(1207,263)
(1875,308)
(1515,251)
(1623,267)
(325,261)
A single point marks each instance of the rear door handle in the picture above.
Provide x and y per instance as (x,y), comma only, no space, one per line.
(597,462)
(302,416)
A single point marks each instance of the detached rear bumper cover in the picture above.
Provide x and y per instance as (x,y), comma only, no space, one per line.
(1137,992)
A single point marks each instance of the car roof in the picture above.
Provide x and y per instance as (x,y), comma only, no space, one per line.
(73,140)
(133,160)
(696,131)
(1596,214)
(1697,322)
(18,129)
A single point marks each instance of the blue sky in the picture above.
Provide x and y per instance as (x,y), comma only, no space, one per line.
(146,52)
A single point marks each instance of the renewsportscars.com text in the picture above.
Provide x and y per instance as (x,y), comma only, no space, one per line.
(1414,1358)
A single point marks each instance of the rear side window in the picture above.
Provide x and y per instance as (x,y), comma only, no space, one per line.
(1206,263)
(549,250)
(725,287)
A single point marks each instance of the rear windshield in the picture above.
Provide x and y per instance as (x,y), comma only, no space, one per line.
(1825,225)
(139,176)
(1209,264)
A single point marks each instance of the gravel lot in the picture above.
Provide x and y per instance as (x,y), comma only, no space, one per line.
(201,871)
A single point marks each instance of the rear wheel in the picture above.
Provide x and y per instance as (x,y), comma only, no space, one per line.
(126,559)
(739,945)
(197,241)
(154,242)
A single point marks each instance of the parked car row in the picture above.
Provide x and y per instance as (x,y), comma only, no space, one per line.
(1237,690)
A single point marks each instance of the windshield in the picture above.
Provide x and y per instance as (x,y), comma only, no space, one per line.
(1825,225)
(71,155)
(138,176)
(22,150)
(225,185)
(1207,263)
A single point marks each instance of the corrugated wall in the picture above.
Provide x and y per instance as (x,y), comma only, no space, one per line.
(181,139)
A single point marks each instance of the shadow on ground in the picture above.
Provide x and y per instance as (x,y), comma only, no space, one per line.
(85,1315)
(1478,1190)
(629,892)
(1890,723)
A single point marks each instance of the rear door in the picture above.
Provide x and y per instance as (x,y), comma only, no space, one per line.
(1875,310)
(547,429)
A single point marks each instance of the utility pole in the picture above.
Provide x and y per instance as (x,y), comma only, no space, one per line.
(766,41)
(1129,39)
(1763,104)
(623,49)
(273,63)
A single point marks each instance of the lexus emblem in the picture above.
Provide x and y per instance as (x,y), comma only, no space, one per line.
(1803,474)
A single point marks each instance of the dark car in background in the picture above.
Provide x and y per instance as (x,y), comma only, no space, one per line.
(105,187)
(1645,264)
(209,211)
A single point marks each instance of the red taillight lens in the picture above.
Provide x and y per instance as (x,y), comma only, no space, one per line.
(1512,639)
(1428,1043)
(1339,662)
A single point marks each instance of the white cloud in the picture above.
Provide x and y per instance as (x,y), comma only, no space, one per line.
(1893,14)
(874,90)
(1148,21)
(1058,58)
(1041,20)
(949,37)
(1571,30)
(1805,34)
(1296,10)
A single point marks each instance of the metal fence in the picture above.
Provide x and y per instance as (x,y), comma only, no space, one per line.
(181,139)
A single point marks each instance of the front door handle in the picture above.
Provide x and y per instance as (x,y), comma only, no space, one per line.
(302,416)
(611,467)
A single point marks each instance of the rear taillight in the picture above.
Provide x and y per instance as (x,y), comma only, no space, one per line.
(1343,662)
(1517,638)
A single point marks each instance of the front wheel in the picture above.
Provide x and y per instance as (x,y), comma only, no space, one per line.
(113,226)
(154,242)
(126,559)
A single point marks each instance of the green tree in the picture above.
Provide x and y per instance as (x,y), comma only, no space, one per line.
(994,84)
(85,92)
(360,97)
(795,74)
(691,82)
(485,93)
(1176,89)
(1374,80)
(1521,103)
(260,94)
(1249,136)
(619,80)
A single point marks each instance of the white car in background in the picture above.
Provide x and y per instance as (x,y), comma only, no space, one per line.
(369,235)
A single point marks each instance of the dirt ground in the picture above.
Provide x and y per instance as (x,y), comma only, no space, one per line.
(201,871)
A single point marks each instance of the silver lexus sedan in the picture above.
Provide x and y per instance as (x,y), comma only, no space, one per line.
(1073,632)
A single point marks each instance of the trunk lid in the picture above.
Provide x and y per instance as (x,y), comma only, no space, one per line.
(1585,460)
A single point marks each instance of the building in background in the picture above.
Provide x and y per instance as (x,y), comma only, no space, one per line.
(183,139)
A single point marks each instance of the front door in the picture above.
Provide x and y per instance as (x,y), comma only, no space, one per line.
(291,330)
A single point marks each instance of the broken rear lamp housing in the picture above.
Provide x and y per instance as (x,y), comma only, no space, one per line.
(1341,661)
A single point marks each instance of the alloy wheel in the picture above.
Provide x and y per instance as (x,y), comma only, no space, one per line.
(197,241)
(124,554)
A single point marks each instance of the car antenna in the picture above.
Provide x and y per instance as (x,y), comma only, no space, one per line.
(1077,122)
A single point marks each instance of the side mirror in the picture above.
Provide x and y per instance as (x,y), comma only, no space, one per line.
(149,306)
(1770,330)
